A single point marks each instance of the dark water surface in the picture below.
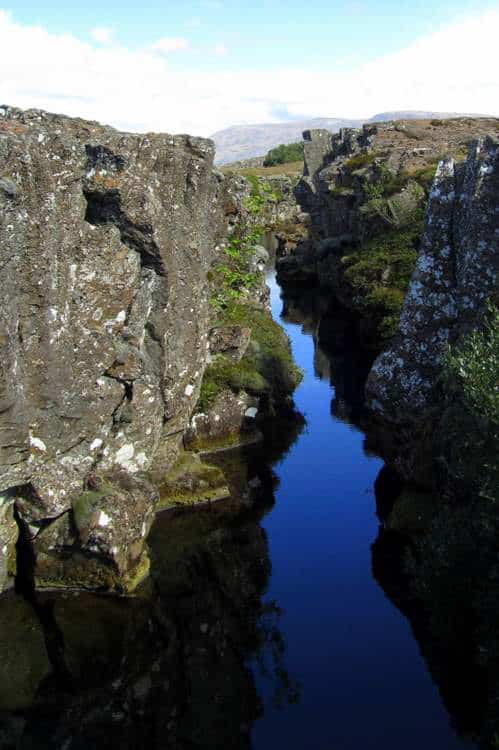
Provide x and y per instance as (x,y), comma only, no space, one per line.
(263,625)
(364,682)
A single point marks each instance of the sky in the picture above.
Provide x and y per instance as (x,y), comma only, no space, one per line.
(199,66)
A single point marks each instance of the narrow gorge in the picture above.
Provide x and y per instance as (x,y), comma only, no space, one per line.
(227,488)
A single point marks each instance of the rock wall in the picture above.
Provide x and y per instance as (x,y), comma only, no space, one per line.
(365,192)
(457,271)
(106,240)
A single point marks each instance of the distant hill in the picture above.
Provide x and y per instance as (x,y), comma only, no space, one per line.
(246,141)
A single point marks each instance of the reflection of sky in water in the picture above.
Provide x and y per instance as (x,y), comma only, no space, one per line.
(364,683)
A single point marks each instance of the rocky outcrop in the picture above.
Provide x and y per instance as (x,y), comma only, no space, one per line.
(457,272)
(365,191)
(106,243)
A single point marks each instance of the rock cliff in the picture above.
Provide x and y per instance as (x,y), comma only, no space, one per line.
(106,244)
(365,192)
(456,275)
(457,271)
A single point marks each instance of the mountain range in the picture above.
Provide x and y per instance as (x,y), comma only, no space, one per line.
(246,141)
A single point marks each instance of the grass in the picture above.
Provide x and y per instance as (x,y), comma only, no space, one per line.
(361,160)
(291,168)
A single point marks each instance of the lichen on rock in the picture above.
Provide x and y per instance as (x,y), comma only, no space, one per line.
(107,240)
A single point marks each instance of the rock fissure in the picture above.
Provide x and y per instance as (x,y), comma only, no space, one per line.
(104,208)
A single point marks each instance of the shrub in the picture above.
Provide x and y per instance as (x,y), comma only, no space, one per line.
(474,365)
(470,425)
(284,154)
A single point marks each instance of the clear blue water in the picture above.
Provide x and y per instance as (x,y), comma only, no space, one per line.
(364,683)
(180,665)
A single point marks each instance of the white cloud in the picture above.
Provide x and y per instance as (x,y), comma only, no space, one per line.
(166,44)
(453,69)
(220,50)
(102,34)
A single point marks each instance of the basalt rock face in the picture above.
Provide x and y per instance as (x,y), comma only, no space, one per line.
(457,271)
(365,192)
(341,170)
(106,239)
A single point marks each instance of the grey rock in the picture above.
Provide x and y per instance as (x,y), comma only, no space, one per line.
(106,240)
(457,271)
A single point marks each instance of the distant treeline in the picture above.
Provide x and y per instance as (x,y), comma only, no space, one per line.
(283,154)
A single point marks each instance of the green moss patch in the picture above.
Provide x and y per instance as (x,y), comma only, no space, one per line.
(359,161)
(191,482)
(87,503)
(379,274)
(267,367)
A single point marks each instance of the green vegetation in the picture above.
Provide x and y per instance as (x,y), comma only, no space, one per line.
(88,502)
(380,271)
(471,420)
(361,160)
(284,154)
(475,366)
(293,169)
(261,195)
(267,367)
(233,278)
(191,481)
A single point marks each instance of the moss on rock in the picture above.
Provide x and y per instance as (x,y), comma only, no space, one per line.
(191,482)
(87,503)
(379,273)
(267,367)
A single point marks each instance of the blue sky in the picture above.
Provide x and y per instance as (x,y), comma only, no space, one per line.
(259,34)
(212,63)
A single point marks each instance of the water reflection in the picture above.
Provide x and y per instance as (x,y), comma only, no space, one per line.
(217,638)
(169,667)
(446,582)
(338,356)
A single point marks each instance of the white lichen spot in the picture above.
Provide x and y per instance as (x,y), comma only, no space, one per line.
(189,390)
(104,519)
(37,443)
(124,457)
(95,444)
(121,317)
(251,412)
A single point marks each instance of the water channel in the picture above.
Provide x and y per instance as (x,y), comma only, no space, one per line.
(262,626)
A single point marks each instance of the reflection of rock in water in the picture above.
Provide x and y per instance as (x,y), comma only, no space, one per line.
(165,669)
(446,582)
(338,355)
